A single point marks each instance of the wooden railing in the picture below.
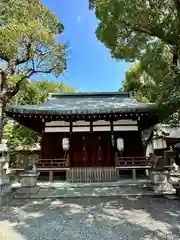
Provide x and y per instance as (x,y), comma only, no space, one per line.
(52,163)
(64,162)
(43,163)
(132,161)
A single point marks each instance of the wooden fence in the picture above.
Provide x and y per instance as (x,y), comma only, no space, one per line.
(132,161)
(92,174)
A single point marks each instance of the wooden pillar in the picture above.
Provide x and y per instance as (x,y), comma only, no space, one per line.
(51,178)
(134,174)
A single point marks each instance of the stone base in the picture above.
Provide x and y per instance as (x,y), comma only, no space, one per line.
(6,195)
(161,187)
(11,174)
(159,177)
(28,190)
(28,179)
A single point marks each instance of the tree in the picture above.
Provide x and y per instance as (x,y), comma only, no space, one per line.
(31,92)
(147,32)
(142,85)
(148,88)
(28,45)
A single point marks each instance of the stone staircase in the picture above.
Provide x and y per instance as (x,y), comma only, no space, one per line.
(76,190)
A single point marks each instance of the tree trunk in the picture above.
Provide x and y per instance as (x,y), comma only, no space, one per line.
(1,121)
(2,108)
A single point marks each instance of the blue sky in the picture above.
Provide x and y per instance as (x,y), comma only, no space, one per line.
(90,67)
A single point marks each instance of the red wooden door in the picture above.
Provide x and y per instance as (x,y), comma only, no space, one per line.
(97,151)
(102,149)
(79,152)
(90,149)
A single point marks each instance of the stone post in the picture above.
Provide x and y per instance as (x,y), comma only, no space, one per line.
(160,180)
(5,186)
(28,180)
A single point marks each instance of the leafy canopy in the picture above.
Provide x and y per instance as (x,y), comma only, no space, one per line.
(130,27)
(147,32)
(28,44)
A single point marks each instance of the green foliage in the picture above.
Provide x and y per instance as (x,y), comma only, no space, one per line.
(20,136)
(35,92)
(147,32)
(129,27)
(149,88)
(28,44)
(31,92)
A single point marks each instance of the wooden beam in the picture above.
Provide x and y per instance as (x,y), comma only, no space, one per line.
(56,129)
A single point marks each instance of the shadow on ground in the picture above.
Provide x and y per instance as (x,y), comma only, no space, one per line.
(88,218)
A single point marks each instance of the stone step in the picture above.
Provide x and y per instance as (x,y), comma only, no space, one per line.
(64,184)
(75,192)
(120,183)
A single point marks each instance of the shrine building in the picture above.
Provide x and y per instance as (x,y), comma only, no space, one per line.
(90,136)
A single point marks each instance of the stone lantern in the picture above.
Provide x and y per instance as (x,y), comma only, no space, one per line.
(5,186)
(3,162)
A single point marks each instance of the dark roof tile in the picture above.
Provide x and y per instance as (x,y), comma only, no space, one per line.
(85,103)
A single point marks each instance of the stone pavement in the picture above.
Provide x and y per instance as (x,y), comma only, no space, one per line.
(116,218)
(69,190)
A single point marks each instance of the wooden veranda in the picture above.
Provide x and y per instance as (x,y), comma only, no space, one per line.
(62,165)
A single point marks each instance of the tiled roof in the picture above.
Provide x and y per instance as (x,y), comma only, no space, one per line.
(85,103)
(168,131)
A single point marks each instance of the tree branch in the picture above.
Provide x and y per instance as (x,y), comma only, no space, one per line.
(27,57)
(18,61)
(7,93)
(3,78)
(4,56)
(149,32)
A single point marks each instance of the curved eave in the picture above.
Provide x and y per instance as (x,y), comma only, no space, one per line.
(37,118)
(35,124)
(37,110)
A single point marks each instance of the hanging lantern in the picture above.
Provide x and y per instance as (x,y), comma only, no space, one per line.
(120,144)
(65,144)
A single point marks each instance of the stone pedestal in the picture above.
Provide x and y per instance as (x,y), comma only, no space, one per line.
(29,179)
(28,182)
(160,181)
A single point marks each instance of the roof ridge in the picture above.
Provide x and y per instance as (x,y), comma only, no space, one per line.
(88,94)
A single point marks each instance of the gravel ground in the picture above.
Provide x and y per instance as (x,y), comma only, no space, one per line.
(131,218)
